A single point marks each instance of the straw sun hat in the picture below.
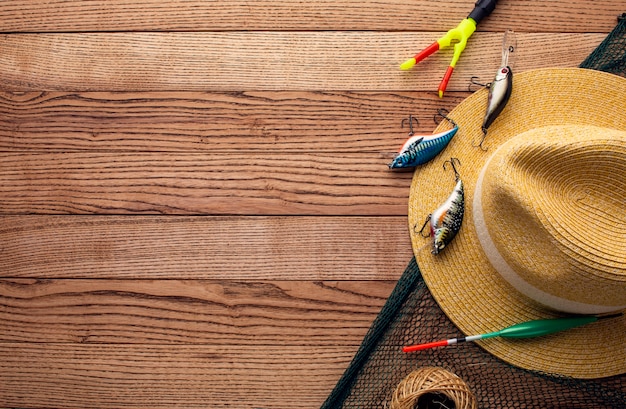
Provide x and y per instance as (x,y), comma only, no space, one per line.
(544,231)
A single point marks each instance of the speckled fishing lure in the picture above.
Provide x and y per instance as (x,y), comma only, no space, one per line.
(446,220)
(419,149)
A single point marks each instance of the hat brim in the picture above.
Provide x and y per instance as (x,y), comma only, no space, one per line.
(468,289)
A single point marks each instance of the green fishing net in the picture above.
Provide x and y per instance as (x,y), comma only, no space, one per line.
(380,365)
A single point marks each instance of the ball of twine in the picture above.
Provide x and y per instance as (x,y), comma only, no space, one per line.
(433,381)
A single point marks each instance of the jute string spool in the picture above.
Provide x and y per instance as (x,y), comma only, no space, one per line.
(431,380)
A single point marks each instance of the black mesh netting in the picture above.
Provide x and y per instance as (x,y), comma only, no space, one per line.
(412,316)
(610,56)
(380,364)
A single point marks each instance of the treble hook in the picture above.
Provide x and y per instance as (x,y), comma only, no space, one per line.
(474,82)
(457,176)
(421,232)
(469,88)
(443,113)
(482,140)
(411,118)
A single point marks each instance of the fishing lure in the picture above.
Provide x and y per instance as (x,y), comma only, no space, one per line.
(446,220)
(501,87)
(499,94)
(419,149)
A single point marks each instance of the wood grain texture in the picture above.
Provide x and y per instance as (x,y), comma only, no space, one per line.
(383,15)
(281,121)
(253,61)
(186,183)
(268,313)
(195,207)
(236,248)
(163,376)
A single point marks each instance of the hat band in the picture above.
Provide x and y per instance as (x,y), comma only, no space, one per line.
(510,275)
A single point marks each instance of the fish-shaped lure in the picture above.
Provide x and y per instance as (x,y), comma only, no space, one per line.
(499,94)
(446,220)
(501,86)
(419,149)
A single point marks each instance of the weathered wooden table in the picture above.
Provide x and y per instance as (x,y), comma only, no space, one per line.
(195,205)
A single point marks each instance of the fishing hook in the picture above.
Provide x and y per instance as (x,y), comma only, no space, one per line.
(443,113)
(474,82)
(480,144)
(411,118)
(421,231)
(457,176)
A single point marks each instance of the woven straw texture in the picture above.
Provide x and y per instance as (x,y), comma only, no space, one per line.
(468,289)
(411,316)
(551,188)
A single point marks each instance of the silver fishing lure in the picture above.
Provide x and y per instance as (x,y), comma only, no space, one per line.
(446,220)
(419,149)
(502,85)
(499,94)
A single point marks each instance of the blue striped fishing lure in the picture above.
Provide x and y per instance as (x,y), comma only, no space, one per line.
(419,149)
(446,220)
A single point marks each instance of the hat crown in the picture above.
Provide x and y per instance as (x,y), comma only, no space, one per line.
(571,216)
(551,203)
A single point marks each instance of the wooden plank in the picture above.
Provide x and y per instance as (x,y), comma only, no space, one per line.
(276,121)
(217,376)
(252,61)
(209,183)
(270,313)
(237,248)
(165,376)
(257,108)
(390,15)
